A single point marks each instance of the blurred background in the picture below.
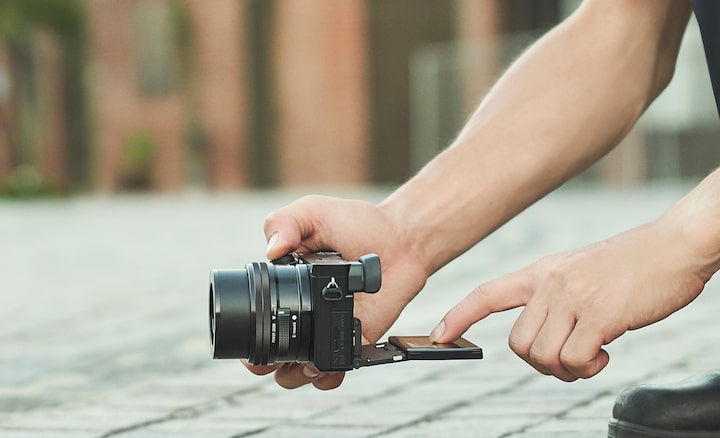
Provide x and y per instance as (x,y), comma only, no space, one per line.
(164,95)
(104,298)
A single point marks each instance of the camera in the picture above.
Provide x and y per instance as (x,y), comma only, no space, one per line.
(299,308)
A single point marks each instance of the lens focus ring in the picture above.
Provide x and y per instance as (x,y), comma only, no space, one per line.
(262,313)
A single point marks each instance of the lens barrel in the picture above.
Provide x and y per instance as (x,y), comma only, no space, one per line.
(262,313)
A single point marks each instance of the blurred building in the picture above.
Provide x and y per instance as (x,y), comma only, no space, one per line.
(164,94)
(161,94)
(42,96)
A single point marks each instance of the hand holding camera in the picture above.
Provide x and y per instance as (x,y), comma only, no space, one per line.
(353,228)
(299,308)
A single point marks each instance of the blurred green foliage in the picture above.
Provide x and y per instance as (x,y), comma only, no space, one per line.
(138,159)
(182,26)
(25,182)
(65,17)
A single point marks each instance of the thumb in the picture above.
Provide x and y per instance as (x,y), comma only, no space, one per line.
(283,234)
(507,292)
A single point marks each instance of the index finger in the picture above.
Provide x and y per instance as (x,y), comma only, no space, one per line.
(505,293)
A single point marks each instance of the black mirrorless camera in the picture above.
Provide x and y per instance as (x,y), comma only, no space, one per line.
(299,308)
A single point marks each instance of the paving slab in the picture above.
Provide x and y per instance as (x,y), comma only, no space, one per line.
(105,330)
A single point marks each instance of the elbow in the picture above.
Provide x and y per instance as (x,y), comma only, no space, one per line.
(664,72)
(668,34)
(643,36)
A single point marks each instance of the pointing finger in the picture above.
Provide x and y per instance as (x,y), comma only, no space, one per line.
(507,292)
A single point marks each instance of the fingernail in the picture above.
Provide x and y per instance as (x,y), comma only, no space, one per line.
(271,243)
(437,331)
(310,371)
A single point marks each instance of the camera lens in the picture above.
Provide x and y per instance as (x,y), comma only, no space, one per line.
(262,313)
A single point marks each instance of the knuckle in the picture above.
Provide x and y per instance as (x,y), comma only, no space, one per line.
(580,367)
(572,361)
(543,359)
(519,345)
(304,203)
(481,299)
(271,219)
(545,263)
(559,269)
(565,377)
(274,220)
(480,292)
(476,302)
(555,274)
(311,200)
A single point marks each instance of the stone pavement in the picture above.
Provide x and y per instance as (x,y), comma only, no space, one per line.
(104,328)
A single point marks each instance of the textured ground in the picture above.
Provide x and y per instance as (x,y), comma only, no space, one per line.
(104,329)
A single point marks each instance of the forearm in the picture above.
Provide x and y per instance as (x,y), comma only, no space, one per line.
(562,105)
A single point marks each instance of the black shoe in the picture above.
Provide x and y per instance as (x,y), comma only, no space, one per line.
(689,409)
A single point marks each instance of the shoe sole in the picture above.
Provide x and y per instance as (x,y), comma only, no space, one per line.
(624,429)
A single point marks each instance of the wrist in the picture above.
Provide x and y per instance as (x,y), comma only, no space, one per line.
(407,233)
(698,228)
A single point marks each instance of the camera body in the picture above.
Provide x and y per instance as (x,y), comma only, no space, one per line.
(333,283)
(299,308)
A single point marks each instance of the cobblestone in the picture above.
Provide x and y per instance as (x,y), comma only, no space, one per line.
(104,328)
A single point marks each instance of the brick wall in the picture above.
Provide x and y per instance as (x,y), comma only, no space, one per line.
(321,90)
(219,89)
(50,152)
(321,79)
(120,109)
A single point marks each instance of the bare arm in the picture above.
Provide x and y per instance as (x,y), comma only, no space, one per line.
(560,107)
(529,139)
(578,301)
